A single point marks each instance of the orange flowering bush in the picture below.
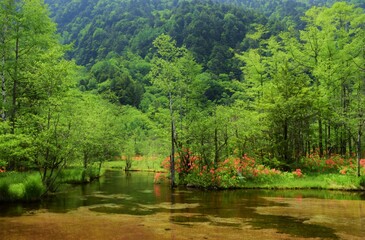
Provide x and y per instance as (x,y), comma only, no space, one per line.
(234,172)
(226,174)
(333,164)
(298,173)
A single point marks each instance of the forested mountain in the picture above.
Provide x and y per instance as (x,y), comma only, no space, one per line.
(124,31)
(104,27)
(98,28)
(212,30)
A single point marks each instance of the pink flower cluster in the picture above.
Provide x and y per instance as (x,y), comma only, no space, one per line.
(298,173)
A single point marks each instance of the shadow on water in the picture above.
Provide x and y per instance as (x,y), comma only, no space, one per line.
(135,194)
(293,226)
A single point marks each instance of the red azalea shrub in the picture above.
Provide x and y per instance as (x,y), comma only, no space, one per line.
(250,169)
(362,163)
(228,173)
(298,173)
(332,164)
(344,171)
(234,171)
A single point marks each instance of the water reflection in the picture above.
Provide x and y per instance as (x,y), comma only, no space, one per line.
(134,193)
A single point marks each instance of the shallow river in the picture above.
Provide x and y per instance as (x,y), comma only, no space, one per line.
(130,206)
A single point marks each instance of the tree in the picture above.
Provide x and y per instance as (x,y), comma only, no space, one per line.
(331,43)
(95,129)
(32,34)
(277,87)
(308,84)
(173,69)
(32,67)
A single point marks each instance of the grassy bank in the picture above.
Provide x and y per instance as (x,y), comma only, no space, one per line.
(282,180)
(264,179)
(28,186)
(136,164)
(15,186)
(310,181)
(79,175)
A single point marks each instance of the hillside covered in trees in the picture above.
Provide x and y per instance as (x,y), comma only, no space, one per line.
(202,80)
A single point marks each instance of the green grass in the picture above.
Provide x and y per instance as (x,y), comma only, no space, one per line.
(317,181)
(137,165)
(28,186)
(16,186)
(79,175)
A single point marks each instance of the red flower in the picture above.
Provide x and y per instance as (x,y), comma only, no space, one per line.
(298,172)
(362,163)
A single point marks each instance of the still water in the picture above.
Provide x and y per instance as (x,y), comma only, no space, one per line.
(130,206)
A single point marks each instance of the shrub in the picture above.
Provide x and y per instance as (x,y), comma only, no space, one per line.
(93,173)
(298,172)
(4,190)
(2,166)
(79,175)
(362,181)
(333,164)
(16,191)
(128,164)
(34,188)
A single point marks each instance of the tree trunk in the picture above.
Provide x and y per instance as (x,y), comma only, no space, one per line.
(286,144)
(173,138)
(6,25)
(172,156)
(320,137)
(86,160)
(349,143)
(359,149)
(216,148)
(3,86)
(329,147)
(15,85)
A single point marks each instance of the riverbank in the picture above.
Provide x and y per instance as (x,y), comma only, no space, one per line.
(145,164)
(28,186)
(265,179)
(314,181)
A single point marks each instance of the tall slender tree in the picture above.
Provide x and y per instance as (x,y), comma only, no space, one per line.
(173,69)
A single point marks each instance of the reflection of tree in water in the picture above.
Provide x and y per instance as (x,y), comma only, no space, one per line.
(157,191)
(135,194)
(293,226)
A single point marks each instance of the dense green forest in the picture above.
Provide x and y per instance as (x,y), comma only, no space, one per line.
(85,81)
